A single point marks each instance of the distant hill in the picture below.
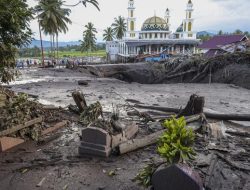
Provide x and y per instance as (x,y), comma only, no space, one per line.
(46,44)
(205,33)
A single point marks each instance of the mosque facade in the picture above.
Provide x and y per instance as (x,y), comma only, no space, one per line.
(154,37)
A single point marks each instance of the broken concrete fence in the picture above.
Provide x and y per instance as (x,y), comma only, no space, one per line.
(98,142)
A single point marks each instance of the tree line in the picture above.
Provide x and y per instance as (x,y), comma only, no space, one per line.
(15,32)
(237,31)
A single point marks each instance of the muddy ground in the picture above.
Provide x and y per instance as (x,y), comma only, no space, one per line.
(58,161)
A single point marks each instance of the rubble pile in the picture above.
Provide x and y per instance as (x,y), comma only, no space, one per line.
(17,110)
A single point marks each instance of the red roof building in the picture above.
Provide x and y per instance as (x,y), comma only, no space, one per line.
(222,44)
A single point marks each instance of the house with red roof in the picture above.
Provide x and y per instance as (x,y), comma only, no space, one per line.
(224,44)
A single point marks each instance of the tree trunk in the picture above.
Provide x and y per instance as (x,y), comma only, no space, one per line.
(57,61)
(79,100)
(194,106)
(41,40)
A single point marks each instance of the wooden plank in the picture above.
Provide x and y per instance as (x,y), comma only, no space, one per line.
(19,127)
(54,128)
(7,143)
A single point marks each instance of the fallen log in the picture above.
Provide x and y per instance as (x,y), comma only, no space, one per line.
(19,127)
(235,117)
(135,144)
(178,75)
(238,133)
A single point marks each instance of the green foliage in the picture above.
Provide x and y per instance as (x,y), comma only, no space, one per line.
(89,38)
(144,175)
(30,52)
(119,27)
(15,32)
(175,145)
(91,113)
(108,34)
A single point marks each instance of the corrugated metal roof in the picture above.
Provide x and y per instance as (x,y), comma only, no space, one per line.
(221,40)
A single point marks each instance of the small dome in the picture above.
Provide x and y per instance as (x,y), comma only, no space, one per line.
(180,28)
(155,23)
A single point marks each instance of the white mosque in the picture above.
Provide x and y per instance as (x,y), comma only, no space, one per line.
(154,37)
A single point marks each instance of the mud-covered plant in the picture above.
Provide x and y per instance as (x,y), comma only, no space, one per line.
(144,176)
(175,145)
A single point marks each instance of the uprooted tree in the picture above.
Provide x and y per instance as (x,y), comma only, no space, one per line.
(15,32)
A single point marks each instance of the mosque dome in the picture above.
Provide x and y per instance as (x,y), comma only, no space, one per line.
(155,23)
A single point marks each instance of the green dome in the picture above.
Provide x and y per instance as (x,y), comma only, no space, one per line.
(155,23)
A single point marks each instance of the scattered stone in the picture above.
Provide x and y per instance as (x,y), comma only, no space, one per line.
(83,82)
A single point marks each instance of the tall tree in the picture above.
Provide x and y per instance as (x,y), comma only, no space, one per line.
(53,19)
(238,31)
(89,38)
(84,2)
(15,32)
(108,34)
(119,27)
(220,32)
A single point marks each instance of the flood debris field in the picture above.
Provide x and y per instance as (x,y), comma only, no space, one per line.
(222,161)
(228,69)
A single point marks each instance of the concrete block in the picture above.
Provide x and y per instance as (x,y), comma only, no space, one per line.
(95,146)
(96,136)
(7,143)
(93,152)
(131,130)
(176,177)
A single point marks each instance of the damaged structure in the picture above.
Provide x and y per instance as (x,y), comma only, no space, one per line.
(155,37)
(224,44)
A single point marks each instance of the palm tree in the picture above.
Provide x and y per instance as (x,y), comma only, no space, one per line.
(108,34)
(53,19)
(89,38)
(84,2)
(119,27)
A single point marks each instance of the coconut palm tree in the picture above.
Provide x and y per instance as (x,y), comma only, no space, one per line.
(108,34)
(53,19)
(84,2)
(89,38)
(119,27)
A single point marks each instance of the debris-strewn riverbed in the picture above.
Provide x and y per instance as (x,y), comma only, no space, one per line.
(58,161)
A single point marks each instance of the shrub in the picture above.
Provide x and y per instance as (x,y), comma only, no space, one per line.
(175,145)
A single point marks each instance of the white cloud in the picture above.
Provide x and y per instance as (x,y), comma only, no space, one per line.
(227,15)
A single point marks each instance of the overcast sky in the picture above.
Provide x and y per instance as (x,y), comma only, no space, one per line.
(210,15)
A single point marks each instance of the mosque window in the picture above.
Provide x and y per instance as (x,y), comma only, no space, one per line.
(155,35)
(132,25)
(189,26)
(190,14)
(132,13)
(146,35)
(150,35)
(161,35)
